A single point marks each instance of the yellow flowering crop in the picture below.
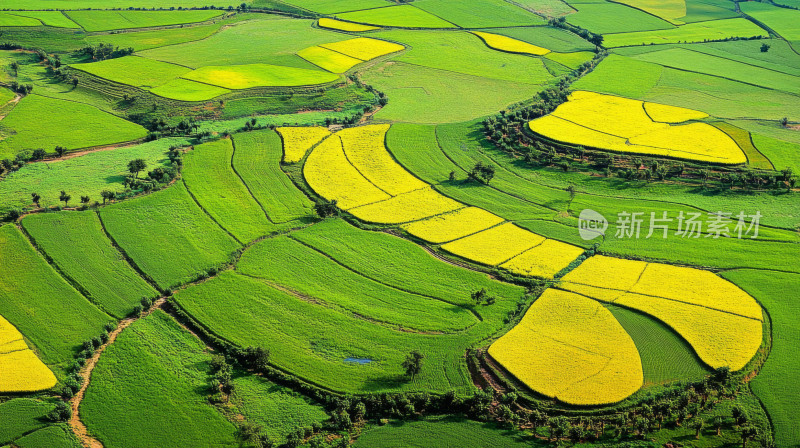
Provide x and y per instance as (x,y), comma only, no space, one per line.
(719,339)
(298,140)
(458,224)
(607,272)
(328,59)
(364,48)
(344,26)
(573,349)
(504,43)
(329,173)
(697,287)
(671,114)
(621,124)
(365,149)
(721,322)
(20,369)
(411,206)
(495,245)
(544,260)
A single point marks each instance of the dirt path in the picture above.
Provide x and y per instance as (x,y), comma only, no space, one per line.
(75,422)
(14,101)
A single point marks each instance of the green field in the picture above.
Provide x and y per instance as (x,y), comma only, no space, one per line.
(334,6)
(113,20)
(257,159)
(18,20)
(185,90)
(553,39)
(403,16)
(604,17)
(212,181)
(78,246)
(134,70)
(145,40)
(86,175)
(278,409)
(439,432)
(479,14)
(783,21)
(55,436)
(691,32)
(43,306)
(154,355)
(236,44)
(778,293)
(258,75)
(21,416)
(49,18)
(170,254)
(41,122)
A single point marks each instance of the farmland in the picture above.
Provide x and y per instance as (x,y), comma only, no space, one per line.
(372,223)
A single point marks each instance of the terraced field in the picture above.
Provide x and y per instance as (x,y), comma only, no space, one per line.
(367,223)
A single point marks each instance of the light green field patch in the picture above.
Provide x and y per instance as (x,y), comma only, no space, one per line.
(328,59)
(554,39)
(485,13)
(41,122)
(7,19)
(185,90)
(49,18)
(258,75)
(622,76)
(606,17)
(427,95)
(571,60)
(143,40)
(782,20)
(334,6)
(670,10)
(114,20)
(691,32)
(134,70)
(403,16)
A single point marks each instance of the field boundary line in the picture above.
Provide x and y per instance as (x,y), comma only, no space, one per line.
(127,257)
(67,278)
(359,171)
(209,214)
(241,179)
(397,288)
(695,50)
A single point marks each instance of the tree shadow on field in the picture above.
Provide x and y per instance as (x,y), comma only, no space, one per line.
(382,382)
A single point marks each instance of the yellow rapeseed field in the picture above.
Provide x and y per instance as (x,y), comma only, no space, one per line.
(672,114)
(344,26)
(329,173)
(621,124)
(20,369)
(504,43)
(328,59)
(364,48)
(411,206)
(719,338)
(698,141)
(696,287)
(298,140)
(573,349)
(607,272)
(365,149)
(544,260)
(454,225)
(495,245)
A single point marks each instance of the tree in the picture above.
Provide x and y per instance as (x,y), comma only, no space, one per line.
(413,363)
(572,191)
(718,422)
(765,48)
(15,66)
(60,150)
(36,197)
(135,166)
(64,197)
(739,415)
(61,413)
(452,176)
(748,432)
(697,425)
(108,195)
(85,200)
(326,208)
(785,121)
(38,154)
(482,173)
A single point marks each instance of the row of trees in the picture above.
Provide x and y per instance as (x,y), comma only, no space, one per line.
(103,51)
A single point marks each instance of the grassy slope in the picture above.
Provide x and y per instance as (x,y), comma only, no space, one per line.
(257,159)
(79,247)
(778,292)
(486,13)
(54,436)
(41,122)
(21,416)
(155,377)
(171,254)
(439,432)
(210,177)
(112,20)
(86,175)
(41,304)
